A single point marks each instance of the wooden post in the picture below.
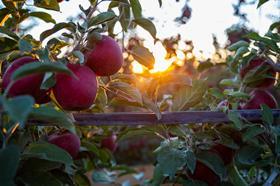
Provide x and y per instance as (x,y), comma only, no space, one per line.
(168,118)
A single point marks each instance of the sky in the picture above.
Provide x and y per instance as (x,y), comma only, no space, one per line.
(208,17)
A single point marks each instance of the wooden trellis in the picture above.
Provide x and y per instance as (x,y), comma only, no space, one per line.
(167,118)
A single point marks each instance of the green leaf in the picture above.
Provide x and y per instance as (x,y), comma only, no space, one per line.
(147,25)
(124,15)
(50,114)
(101,99)
(235,118)
(133,132)
(277,144)
(274,25)
(187,97)
(136,8)
(261,2)
(38,178)
(235,177)
(237,45)
(148,103)
(9,33)
(158,176)
(56,28)
(171,157)
(269,43)
(213,161)
(102,176)
(48,81)
(79,55)
(9,161)
(47,151)
(43,16)
(191,161)
(81,180)
(91,147)
(143,56)
(44,55)
(229,82)
(19,108)
(128,170)
(127,92)
(55,45)
(24,46)
(275,37)
(204,66)
(47,4)
(254,36)
(248,154)
(192,183)
(10,5)
(39,67)
(239,53)
(8,47)
(102,18)
(253,131)
(160,3)
(236,94)
(3,13)
(267,115)
(35,164)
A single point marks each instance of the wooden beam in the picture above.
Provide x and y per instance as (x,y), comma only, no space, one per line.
(168,118)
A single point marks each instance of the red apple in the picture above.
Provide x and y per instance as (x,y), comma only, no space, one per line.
(110,142)
(205,174)
(259,97)
(105,58)
(29,85)
(67,141)
(225,153)
(264,69)
(76,93)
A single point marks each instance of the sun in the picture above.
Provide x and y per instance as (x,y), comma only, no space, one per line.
(161,63)
(137,68)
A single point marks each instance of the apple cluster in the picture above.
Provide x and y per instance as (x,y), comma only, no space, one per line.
(72,92)
(260,76)
(203,172)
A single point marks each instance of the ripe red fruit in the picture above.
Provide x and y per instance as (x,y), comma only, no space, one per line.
(110,142)
(261,68)
(76,93)
(225,153)
(105,58)
(29,85)
(67,141)
(205,174)
(259,97)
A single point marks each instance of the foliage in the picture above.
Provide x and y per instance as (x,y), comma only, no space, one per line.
(26,157)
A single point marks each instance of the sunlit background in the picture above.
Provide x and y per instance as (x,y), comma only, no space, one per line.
(207,18)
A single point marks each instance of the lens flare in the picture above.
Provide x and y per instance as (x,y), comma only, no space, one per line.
(161,64)
(137,68)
